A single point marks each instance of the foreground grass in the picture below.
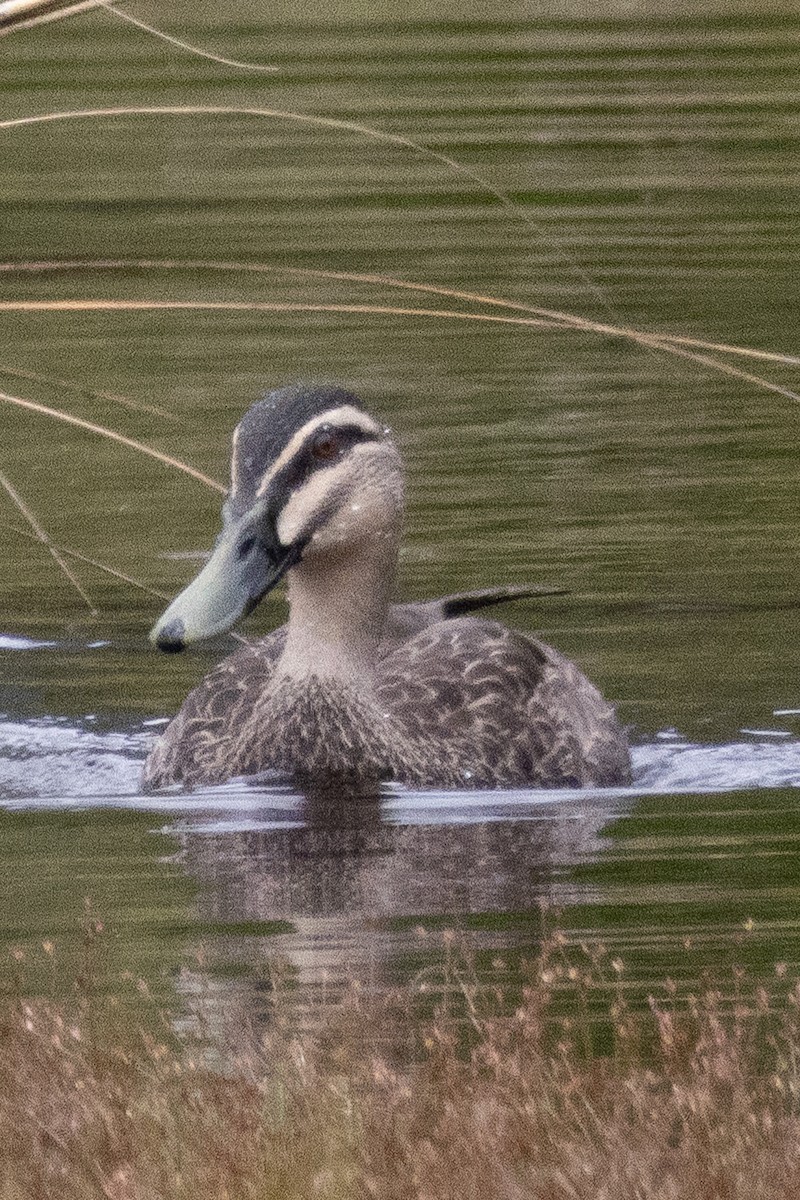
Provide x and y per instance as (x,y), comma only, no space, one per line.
(701,1102)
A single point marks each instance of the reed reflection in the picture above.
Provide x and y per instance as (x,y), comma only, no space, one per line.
(350,878)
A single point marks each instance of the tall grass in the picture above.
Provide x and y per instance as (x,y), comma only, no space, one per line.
(697,1102)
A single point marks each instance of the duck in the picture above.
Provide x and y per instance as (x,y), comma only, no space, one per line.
(353,687)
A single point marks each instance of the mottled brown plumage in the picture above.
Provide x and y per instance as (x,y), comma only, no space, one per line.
(352,687)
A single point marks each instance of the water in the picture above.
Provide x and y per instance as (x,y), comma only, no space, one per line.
(214,892)
(654,155)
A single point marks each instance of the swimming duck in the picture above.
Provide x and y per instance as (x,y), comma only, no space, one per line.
(352,686)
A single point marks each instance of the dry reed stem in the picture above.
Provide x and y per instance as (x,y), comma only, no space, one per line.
(13,12)
(132,444)
(42,536)
(557,317)
(650,341)
(94,562)
(69,385)
(13,17)
(174,41)
(115,573)
(654,341)
(681,346)
(93,304)
(357,127)
(178,110)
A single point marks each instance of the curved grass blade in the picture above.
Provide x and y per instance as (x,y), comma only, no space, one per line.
(24,14)
(357,127)
(113,571)
(69,385)
(174,41)
(556,317)
(132,444)
(96,305)
(92,562)
(93,304)
(43,537)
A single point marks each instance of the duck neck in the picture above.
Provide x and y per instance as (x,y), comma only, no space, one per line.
(338,608)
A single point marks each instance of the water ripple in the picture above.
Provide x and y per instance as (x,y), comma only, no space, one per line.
(54,763)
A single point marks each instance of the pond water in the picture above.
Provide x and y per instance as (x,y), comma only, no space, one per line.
(649,168)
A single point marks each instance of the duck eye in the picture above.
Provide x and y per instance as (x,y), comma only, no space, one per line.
(325,448)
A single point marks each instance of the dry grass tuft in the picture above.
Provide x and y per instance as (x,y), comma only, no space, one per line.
(697,1102)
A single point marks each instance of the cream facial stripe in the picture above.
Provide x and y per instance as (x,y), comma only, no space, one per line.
(341,417)
(303,508)
(234,465)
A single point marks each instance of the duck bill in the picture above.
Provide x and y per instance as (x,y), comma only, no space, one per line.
(241,570)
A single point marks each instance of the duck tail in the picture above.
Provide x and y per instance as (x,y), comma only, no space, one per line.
(466,602)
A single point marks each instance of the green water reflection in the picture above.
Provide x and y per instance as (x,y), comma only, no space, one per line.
(64,872)
(677,888)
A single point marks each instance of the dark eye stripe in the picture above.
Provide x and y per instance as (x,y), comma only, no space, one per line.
(304,464)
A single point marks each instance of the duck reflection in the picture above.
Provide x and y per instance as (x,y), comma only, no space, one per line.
(332,886)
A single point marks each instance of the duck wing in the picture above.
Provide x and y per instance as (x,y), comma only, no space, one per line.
(495,708)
